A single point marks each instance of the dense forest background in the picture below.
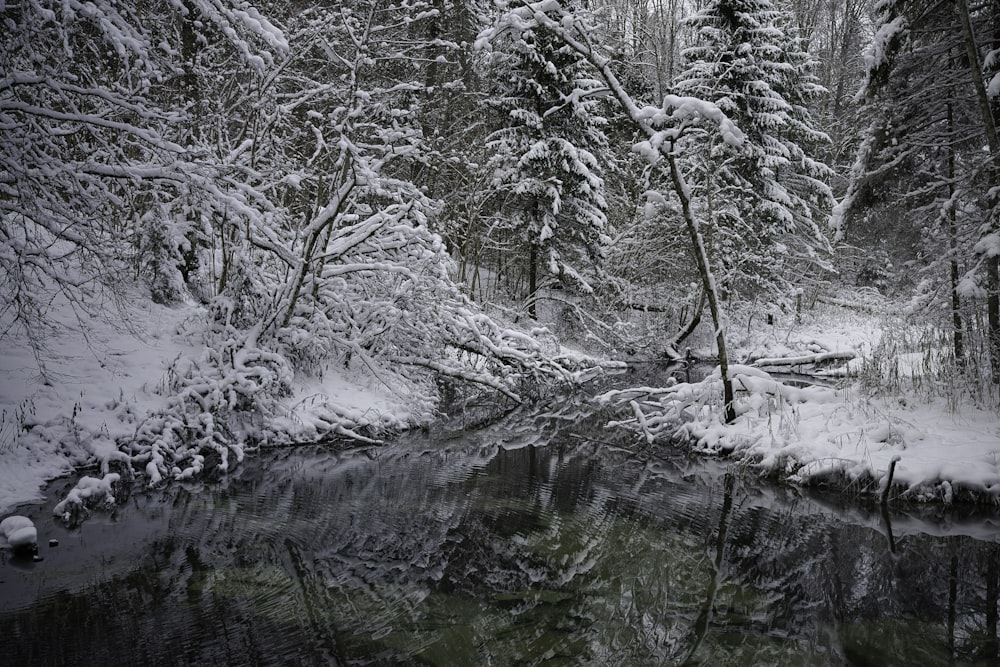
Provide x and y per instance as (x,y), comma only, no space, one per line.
(416,189)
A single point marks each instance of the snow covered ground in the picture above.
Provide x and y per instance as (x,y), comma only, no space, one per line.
(93,390)
(944,447)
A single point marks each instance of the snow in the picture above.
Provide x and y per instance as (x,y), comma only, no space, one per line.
(93,392)
(89,491)
(989,245)
(879,51)
(18,532)
(848,435)
(968,288)
(72,414)
(990,63)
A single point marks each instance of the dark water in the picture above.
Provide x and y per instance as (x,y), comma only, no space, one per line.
(533,542)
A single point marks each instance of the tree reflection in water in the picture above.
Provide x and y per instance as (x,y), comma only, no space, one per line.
(538,540)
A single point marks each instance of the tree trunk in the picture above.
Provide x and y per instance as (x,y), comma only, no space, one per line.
(993,314)
(693,323)
(991,649)
(326,217)
(993,266)
(708,283)
(952,595)
(191,94)
(956,314)
(532,281)
(993,141)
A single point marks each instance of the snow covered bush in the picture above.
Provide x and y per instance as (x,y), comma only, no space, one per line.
(89,493)
(765,407)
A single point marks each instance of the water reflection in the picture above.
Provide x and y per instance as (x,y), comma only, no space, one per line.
(539,540)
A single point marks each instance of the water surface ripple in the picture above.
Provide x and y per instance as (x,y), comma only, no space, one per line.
(540,540)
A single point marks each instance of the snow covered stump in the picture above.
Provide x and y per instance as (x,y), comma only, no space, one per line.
(21,536)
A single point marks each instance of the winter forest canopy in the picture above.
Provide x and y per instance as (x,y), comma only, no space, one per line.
(451,195)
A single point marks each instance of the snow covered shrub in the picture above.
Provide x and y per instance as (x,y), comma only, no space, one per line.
(215,404)
(875,270)
(915,357)
(244,298)
(767,411)
(160,256)
(955,341)
(89,493)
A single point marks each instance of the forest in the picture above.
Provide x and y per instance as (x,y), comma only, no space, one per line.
(445,199)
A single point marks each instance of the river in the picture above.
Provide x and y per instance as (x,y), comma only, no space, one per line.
(542,539)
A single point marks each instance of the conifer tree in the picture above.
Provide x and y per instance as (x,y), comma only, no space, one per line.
(545,165)
(766,199)
(923,152)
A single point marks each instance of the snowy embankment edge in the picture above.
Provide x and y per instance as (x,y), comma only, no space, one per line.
(150,401)
(81,411)
(822,435)
(58,446)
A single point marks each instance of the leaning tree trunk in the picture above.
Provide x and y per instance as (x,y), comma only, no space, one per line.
(691,223)
(708,282)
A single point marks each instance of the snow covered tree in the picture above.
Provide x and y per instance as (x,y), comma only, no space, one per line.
(350,271)
(923,153)
(645,38)
(834,31)
(988,99)
(765,200)
(661,128)
(545,165)
(91,147)
(454,120)
(269,171)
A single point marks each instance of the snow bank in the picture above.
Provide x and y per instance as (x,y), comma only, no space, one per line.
(811,435)
(96,394)
(947,448)
(849,436)
(169,393)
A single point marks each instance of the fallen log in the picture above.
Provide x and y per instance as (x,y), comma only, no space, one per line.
(805,359)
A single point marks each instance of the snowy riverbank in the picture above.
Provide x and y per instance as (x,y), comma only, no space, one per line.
(894,404)
(93,391)
(821,434)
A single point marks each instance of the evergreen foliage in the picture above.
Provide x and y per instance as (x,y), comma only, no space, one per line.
(922,177)
(767,199)
(546,171)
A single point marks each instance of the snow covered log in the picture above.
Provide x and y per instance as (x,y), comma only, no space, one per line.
(799,363)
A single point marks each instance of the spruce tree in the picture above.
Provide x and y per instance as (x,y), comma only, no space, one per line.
(922,174)
(766,199)
(545,166)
